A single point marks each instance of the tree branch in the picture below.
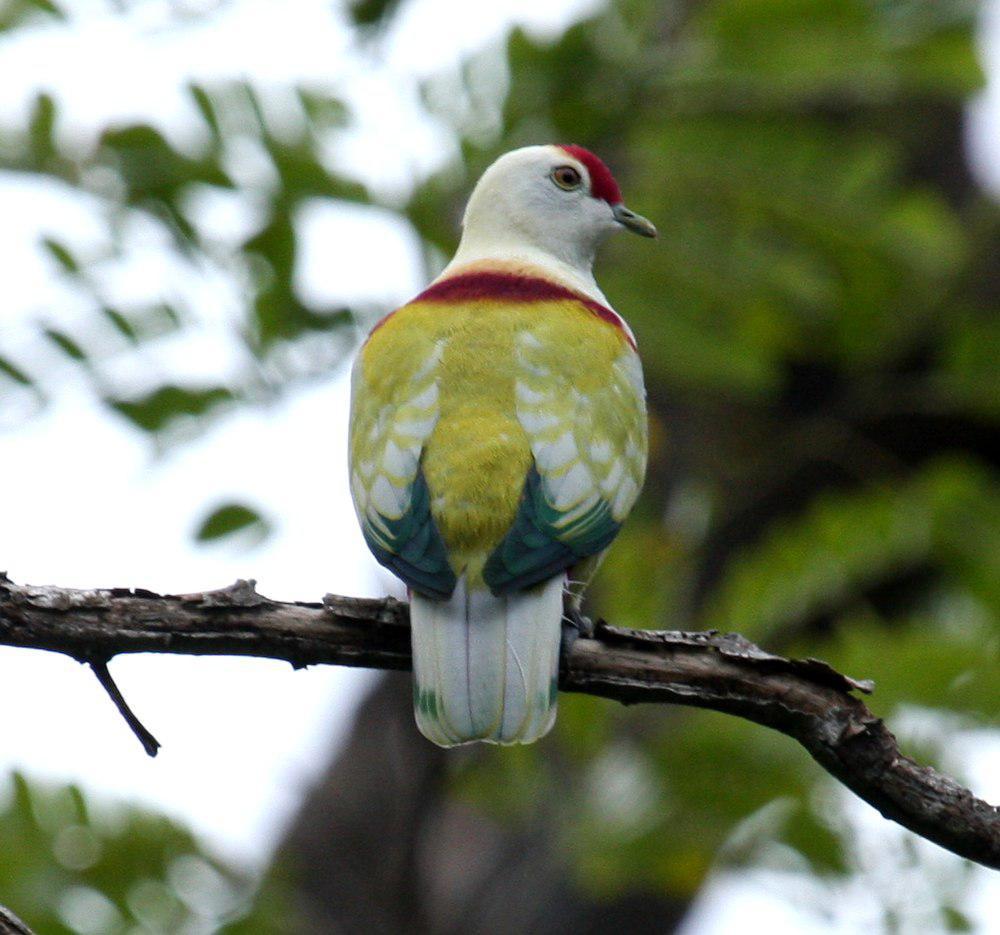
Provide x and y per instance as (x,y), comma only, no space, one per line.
(805,699)
(149,743)
(10,924)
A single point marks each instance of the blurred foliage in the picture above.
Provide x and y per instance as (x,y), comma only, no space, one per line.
(233,520)
(140,177)
(21,12)
(366,13)
(818,324)
(72,866)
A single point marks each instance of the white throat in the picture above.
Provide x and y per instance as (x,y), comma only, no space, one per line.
(476,251)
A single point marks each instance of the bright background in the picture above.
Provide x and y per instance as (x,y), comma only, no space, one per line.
(96,509)
(90,502)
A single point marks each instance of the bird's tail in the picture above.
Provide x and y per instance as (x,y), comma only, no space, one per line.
(486,667)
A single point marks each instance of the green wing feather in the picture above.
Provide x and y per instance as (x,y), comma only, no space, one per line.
(538,548)
(411,546)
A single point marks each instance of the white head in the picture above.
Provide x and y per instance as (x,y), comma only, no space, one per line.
(546,205)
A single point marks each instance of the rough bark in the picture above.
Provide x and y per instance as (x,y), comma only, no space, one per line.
(805,699)
(10,924)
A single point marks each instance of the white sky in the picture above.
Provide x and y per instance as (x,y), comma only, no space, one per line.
(240,737)
(87,503)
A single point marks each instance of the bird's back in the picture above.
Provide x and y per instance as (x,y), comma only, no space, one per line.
(497,441)
(520,365)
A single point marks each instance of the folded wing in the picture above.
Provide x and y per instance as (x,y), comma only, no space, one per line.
(588,440)
(393,415)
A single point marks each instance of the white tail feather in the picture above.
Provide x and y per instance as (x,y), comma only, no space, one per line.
(485,667)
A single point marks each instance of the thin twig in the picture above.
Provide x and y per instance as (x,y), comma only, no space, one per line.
(149,743)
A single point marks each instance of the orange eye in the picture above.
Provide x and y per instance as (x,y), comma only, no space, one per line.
(566,177)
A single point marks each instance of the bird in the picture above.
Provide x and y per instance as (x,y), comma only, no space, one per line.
(498,440)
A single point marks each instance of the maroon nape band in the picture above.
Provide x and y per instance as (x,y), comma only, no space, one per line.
(602,182)
(513,287)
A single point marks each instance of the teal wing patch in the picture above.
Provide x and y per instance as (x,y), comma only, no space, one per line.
(541,545)
(411,546)
(587,429)
(394,408)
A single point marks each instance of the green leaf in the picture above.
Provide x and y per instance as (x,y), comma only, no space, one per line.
(15,373)
(61,254)
(372,12)
(206,108)
(121,324)
(278,315)
(156,411)
(152,169)
(41,125)
(17,13)
(144,324)
(322,109)
(229,519)
(66,344)
(955,920)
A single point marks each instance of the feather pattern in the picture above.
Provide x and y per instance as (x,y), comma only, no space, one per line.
(497,441)
(588,444)
(389,427)
(485,667)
